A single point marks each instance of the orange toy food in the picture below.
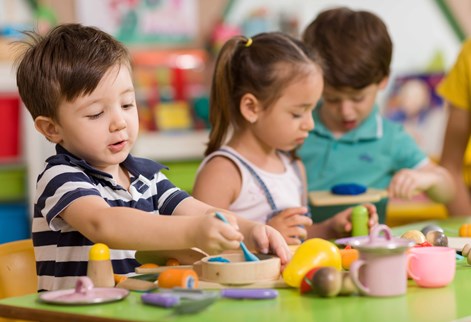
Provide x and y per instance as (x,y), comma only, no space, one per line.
(119,278)
(172,262)
(349,255)
(174,277)
(465,230)
(149,265)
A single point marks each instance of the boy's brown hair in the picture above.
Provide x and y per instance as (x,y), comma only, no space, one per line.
(355,47)
(68,62)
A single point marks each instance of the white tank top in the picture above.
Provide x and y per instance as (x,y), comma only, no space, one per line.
(285,188)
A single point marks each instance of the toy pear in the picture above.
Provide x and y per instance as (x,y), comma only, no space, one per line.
(312,253)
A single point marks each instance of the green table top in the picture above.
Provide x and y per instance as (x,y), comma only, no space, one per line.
(419,304)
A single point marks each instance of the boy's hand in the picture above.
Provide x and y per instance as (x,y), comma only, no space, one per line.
(214,236)
(341,223)
(290,223)
(268,240)
(408,182)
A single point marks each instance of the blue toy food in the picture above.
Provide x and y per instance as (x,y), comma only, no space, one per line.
(348,189)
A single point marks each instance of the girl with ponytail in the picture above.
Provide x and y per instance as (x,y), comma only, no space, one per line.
(263,92)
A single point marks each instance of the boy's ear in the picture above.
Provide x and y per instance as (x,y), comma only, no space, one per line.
(47,127)
(250,107)
(384,82)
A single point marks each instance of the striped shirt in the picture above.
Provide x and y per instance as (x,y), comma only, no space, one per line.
(61,251)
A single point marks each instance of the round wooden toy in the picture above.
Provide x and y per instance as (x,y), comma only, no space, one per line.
(238,271)
(160,257)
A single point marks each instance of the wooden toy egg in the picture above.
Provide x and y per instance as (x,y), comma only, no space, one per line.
(415,236)
(327,281)
(437,238)
(466,250)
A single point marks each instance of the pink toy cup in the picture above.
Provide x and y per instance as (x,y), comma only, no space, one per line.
(381,270)
(432,266)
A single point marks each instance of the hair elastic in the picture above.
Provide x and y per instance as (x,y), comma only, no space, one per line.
(249,42)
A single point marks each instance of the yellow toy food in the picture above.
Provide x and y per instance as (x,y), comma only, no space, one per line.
(312,253)
(99,252)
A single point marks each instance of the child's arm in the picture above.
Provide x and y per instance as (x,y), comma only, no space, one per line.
(458,132)
(257,236)
(128,228)
(218,183)
(432,179)
(264,239)
(291,222)
(340,225)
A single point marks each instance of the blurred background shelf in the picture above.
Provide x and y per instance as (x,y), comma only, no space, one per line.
(171,146)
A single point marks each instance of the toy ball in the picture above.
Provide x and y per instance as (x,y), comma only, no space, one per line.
(431,227)
(437,238)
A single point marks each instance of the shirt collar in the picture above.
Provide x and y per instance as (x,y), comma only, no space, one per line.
(135,166)
(370,129)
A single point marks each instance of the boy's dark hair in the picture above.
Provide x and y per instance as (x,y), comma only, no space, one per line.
(354,45)
(66,63)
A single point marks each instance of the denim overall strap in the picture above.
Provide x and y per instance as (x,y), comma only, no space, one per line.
(297,170)
(262,184)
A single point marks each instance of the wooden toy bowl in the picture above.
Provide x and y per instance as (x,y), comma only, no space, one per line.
(238,271)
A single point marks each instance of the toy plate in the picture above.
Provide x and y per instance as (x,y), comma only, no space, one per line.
(94,296)
(349,240)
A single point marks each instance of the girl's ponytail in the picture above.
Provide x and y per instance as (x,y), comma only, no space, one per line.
(221,99)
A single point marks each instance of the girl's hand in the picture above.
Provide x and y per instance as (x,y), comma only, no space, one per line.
(268,240)
(341,223)
(213,236)
(290,223)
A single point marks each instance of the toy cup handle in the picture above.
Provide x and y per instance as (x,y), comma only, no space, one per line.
(376,230)
(354,274)
(410,258)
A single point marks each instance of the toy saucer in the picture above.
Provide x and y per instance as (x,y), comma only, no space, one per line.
(349,240)
(84,294)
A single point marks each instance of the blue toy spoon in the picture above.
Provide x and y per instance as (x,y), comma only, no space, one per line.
(249,257)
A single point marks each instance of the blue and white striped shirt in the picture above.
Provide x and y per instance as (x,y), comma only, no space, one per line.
(61,251)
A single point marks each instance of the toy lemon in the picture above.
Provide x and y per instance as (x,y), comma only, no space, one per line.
(312,253)
(99,252)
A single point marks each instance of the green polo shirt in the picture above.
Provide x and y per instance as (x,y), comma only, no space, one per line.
(369,155)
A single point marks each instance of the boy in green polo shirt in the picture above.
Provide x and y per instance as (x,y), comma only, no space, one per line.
(351,141)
